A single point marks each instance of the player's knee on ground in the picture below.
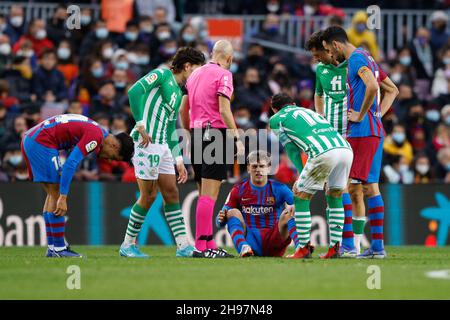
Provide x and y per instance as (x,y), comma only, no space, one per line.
(371,190)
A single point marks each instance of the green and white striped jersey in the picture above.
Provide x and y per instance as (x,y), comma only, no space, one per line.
(155,101)
(307,130)
(331,85)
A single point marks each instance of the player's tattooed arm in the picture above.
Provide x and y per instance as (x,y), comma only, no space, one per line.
(372,88)
(390,92)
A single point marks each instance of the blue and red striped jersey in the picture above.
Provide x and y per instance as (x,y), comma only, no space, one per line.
(261,207)
(371,124)
(63,132)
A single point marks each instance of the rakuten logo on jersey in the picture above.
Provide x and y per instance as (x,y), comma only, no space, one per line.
(257,210)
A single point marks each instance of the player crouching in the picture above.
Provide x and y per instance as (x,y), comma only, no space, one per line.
(259,212)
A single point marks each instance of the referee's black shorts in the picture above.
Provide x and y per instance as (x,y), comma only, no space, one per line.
(202,156)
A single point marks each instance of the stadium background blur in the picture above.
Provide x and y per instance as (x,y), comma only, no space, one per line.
(88,71)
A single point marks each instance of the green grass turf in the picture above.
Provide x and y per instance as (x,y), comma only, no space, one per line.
(26,274)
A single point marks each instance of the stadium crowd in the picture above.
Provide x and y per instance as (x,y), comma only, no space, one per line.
(46,69)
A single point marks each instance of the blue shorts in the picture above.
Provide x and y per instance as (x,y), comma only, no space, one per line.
(43,163)
(267,242)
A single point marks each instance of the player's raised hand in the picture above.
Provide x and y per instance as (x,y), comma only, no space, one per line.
(353,116)
(61,206)
(182,172)
(145,137)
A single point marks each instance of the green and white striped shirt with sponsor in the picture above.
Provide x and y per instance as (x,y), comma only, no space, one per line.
(308,130)
(331,85)
(156,104)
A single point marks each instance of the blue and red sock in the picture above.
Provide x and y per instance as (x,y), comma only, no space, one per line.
(48,229)
(293,234)
(236,231)
(376,220)
(347,234)
(58,226)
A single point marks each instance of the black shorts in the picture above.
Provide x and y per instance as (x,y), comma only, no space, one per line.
(221,154)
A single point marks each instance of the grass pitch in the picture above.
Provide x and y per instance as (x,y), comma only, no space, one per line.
(26,274)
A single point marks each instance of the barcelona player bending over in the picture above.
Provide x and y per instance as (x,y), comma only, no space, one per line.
(259,212)
(40,147)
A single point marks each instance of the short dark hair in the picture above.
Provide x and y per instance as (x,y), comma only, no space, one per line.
(334,33)
(281,100)
(126,146)
(187,55)
(315,41)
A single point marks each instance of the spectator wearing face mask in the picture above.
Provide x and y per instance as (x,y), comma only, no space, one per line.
(396,144)
(398,171)
(15,26)
(92,75)
(271,30)
(162,33)
(443,167)
(86,25)
(242,116)
(187,36)
(359,33)
(439,35)
(121,82)
(305,94)
(278,78)
(14,164)
(130,37)
(167,50)
(37,35)
(139,61)
(442,74)
(99,33)
(66,63)
(422,169)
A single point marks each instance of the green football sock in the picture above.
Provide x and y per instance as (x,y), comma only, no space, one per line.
(302,220)
(336,219)
(175,219)
(137,218)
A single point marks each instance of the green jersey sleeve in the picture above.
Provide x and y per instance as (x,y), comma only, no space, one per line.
(172,138)
(293,152)
(319,88)
(137,91)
